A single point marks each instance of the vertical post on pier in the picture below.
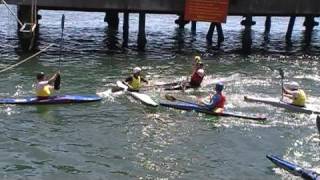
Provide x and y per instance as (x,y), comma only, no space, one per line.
(112,18)
(309,23)
(247,39)
(210,33)
(290,29)
(193,27)
(267,25)
(220,34)
(27,39)
(180,21)
(125,29)
(142,33)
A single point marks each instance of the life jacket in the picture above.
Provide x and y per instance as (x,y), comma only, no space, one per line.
(196,79)
(135,83)
(300,98)
(222,101)
(45,91)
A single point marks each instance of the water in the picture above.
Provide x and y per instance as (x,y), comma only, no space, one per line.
(120,138)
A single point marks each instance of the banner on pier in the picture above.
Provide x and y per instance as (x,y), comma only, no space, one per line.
(206,10)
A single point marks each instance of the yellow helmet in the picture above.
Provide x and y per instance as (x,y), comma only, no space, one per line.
(197,58)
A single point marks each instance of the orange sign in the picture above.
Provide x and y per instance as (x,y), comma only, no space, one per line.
(206,10)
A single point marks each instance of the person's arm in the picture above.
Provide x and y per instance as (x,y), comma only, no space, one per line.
(53,78)
(287,91)
(144,80)
(213,102)
(127,81)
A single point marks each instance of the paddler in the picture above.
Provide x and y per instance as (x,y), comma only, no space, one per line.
(217,101)
(134,81)
(197,74)
(295,93)
(44,87)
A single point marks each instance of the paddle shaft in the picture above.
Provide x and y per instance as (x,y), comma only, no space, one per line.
(61,40)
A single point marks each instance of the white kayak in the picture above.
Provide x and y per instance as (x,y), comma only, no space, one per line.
(144,98)
(282,104)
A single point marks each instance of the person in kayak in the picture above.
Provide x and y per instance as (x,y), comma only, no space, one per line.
(134,81)
(217,101)
(295,93)
(45,87)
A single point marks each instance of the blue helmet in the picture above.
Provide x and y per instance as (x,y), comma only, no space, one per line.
(219,86)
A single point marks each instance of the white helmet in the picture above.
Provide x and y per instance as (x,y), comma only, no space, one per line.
(200,72)
(136,70)
(293,85)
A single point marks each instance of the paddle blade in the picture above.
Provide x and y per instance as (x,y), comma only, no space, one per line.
(281,73)
(57,82)
(116,89)
(170,97)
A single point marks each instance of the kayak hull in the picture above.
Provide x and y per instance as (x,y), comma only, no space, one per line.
(144,98)
(63,99)
(278,103)
(293,168)
(189,106)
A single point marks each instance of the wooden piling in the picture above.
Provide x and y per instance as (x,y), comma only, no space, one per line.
(193,27)
(125,29)
(142,33)
(112,18)
(246,38)
(290,29)
(220,34)
(267,25)
(210,33)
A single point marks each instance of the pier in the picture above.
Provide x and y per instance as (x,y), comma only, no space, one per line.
(246,8)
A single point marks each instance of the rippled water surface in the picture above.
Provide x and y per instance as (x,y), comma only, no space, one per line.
(119,138)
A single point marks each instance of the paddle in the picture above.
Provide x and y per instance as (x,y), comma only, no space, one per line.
(172,98)
(282,77)
(58,78)
(318,123)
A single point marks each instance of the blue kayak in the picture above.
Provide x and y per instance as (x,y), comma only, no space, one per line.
(63,99)
(190,106)
(293,168)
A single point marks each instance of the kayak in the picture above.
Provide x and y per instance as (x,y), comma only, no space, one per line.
(144,98)
(190,106)
(61,99)
(282,104)
(294,168)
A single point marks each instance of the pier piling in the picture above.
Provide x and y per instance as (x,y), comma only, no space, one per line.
(247,39)
(142,32)
(125,29)
(193,27)
(290,29)
(112,18)
(267,25)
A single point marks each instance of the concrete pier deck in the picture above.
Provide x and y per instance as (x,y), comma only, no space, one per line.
(236,7)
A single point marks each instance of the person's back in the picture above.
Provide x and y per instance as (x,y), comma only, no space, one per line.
(43,86)
(197,75)
(295,93)
(218,100)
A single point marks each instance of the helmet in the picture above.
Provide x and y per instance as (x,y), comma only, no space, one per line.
(293,85)
(136,70)
(200,72)
(40,75)
(219,86)
(197,59)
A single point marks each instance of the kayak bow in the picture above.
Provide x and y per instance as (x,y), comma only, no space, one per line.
(190,106)
(282,104)
(144,98)
(293,168)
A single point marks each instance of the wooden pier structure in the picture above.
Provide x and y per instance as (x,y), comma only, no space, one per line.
(246,8)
